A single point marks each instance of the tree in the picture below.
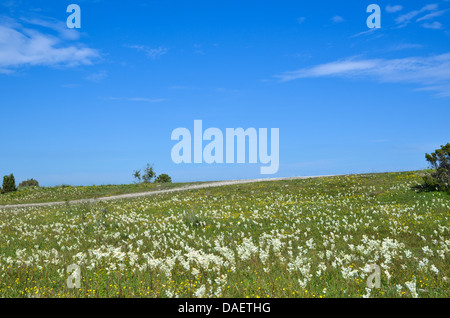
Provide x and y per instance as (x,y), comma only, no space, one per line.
(163,178)
(29,183)
(9,184)
(149,174)
(137,175)
(440,161)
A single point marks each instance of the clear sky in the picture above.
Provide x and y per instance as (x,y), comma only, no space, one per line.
(90,105)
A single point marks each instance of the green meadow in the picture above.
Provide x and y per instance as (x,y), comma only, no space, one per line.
(316,237)
(68,192)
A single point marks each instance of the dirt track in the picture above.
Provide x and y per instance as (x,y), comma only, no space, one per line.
(148,193)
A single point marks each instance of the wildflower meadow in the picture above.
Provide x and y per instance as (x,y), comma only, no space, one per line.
(296,238)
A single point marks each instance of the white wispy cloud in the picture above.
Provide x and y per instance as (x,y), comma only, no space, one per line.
(60,27)
(432,15)
(135,99)
(300,20)
(403,46)
(329,69)
(147,100)
(70,85)
(40,42)
(393,9)
(431,72)
(433,25)
(337,19)
(97,77)
(367,32)
(149,51)
(183,87)
(406,18)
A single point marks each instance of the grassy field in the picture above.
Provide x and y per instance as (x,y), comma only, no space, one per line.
(67,192)
(296,238)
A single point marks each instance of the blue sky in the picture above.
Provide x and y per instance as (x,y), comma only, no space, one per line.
(90,105)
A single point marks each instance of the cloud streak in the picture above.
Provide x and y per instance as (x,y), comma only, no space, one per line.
(406,18)
(150,52)
(337,19)
(135,99)
(431,73)
(300,20)
(40,42)
(434,25)
(432,15)
(97,77)
(393,9)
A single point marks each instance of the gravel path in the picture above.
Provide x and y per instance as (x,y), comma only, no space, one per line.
(149,193)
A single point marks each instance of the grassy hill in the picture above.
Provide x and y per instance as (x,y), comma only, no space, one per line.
(68,193)
(294,238)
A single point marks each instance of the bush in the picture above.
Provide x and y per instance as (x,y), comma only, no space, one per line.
(440,161)
(137,175)
(29,183)
(9,184)
(163,178)
(149,174)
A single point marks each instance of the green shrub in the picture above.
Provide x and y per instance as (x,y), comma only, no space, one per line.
(137,175)
(149,174)
(163,178)
(439,160)
(9,184)
(194,220)
(29,183)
